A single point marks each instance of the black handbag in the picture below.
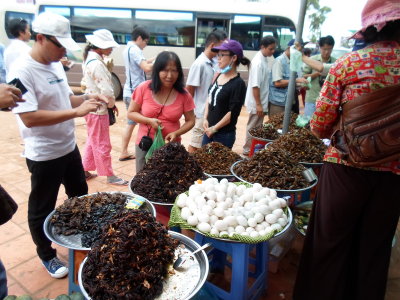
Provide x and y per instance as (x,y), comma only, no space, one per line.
(8,206)
(111,115)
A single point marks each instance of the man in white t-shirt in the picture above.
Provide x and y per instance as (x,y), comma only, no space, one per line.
(20,30)
(136,67)
(256,100)
(198,81)
(46,124)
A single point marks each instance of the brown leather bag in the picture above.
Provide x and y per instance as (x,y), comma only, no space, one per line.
(368,131)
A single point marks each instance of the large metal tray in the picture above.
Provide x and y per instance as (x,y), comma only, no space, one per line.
(312,184)
(74,241)
(152,202)
(191,245)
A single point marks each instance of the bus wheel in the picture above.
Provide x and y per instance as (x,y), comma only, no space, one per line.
(117,87)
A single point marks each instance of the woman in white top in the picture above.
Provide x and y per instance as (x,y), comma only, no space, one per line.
(97,79)
(21,31)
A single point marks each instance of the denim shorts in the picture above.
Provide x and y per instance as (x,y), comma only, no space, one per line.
(127,101)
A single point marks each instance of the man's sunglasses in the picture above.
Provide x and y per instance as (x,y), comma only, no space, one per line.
(57,44)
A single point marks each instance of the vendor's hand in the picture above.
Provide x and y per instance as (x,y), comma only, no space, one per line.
(171,137)
(210,131)
(87,106)
(302,80)
(298,46)
(205,124)
(98,97)
(9,96)
(154,123)
(260,111)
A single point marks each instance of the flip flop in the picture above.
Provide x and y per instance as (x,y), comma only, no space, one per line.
(90,176)
(119,182)
(127,158)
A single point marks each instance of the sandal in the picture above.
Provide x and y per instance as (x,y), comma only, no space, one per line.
(129,157)
(89,176)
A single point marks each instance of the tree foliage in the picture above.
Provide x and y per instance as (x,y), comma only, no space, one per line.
(317,16)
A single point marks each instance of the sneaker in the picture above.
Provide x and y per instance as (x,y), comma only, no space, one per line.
(55,267)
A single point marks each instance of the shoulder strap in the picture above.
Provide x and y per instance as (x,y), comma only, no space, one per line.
(129,69)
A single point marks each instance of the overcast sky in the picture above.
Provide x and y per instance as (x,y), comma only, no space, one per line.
(345,16)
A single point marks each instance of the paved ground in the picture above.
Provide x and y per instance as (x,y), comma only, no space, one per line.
(25,273)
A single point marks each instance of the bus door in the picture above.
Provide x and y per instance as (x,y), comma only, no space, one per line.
(207,23)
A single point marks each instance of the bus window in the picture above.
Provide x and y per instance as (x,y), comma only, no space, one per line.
(59,10)
(246,30)
(167,28)
(281,28)
(16,15)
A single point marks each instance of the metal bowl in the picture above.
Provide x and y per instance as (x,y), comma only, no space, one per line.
(313,183)
(152,202)
(229,177)
(310,165)
(74,241)
(260,139)
(191,245)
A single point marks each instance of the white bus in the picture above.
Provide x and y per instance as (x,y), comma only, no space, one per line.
(177,25)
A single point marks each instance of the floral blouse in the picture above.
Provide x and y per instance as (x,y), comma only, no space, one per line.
(355,74)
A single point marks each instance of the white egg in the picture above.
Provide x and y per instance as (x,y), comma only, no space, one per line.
(283,202)
(263,201)
(250,229)
(245,233)
(282,222)
(221,196)
(200,201)
(258,196)
(214,181)
(211,203)
(211,195)
(200,187)
(203,217)
(268,198)
(189,201)
(272,194)
(222,188)
(257,187)
(271,218)
(239,229)
(185,213)
(207,209)
(214,231)
(278,212)
(193,188)
(230,191)
(248,214)
(224,205)
(262,232)
(219,211)
(236,204)
(223,234)
(276,226)
(252,222)
(259,217)
(240,189)
(181,202)
(231,234)
(221,225)
(274,204)
(268,229)
(231,229)
(192,220)
(231,220)
(224,181)
(264,209)
(265,224)
(205,227)
(249,205)
(193,208)
(195,194)
(266,190)
(259,227)
(285,217)
(229,201)
(213,219)
(209,181)
(254,234)
(242,221)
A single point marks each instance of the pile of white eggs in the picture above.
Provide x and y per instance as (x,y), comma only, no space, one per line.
(225,209)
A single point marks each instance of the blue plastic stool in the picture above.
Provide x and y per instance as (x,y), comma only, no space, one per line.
(73,268)
(241,260)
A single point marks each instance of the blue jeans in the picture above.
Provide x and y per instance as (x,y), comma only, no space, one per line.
(225,138)
(127,101)
(3,281)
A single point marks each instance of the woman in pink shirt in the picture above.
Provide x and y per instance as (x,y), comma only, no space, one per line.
(162,101)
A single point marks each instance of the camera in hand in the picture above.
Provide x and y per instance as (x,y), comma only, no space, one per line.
(145,143)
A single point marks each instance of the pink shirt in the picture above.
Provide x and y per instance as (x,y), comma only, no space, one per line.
(170,114)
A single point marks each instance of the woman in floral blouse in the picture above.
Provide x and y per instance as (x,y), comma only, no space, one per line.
(349,238)
(97,79)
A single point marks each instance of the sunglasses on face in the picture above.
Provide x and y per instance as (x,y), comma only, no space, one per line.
(49,38)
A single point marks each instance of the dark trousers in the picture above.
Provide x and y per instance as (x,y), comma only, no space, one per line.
(225,138)
(348,243)
(46,179)
(3,281)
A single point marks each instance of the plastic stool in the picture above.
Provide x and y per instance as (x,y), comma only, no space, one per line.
(75,257)
(241,260)
(254,143)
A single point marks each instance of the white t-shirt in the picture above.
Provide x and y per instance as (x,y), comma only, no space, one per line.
(48,89)
(16,49)
(132,68)
(200,76)
(258,77)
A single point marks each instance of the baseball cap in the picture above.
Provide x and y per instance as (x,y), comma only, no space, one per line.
(378,13)
(102,39)
(55,25)
(230,45)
